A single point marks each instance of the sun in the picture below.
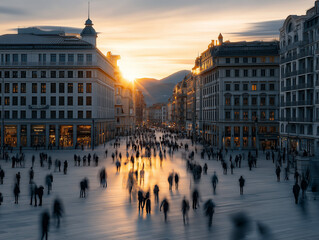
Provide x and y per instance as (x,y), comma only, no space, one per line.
(129,72)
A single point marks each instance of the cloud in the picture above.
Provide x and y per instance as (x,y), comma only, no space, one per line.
(11,11)
(266,28)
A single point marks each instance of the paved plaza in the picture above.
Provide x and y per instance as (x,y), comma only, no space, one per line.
(109,213)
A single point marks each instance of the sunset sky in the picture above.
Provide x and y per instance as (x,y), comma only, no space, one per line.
(156,37)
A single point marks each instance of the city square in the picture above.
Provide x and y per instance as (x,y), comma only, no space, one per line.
(109,213)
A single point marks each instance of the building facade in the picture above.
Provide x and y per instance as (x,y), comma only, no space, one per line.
(240,94)
(299,82)
(139,107)
(56,89)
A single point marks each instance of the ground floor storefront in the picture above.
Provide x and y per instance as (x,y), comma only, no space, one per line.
(57,134)
(241,135)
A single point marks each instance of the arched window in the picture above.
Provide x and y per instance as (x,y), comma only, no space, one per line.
(296,38)
(318,131)
(283,128)
(290,27)
(302,129)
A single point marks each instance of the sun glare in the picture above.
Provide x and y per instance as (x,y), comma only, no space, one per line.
(129,72)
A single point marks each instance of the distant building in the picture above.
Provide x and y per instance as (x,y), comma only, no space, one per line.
(179,105)
(240,94)
(299,82)
(139,107)
(57,89)
(190,104)
(155,114)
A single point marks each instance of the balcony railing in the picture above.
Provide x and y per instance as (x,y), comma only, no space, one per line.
(18,64)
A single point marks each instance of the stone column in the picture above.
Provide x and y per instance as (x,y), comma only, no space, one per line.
(241,130)
(74,135)
(57,135)
(250,137)
(18,135)
(47,135)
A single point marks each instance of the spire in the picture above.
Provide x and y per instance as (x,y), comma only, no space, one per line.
(220,39)
(88,9)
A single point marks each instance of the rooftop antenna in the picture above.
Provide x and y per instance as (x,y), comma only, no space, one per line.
(88,9)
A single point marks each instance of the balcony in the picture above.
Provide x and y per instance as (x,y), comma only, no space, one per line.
(305,71)
(289,74)
(305,102)
(304,85)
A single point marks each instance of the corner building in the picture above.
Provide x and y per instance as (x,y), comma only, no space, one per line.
(240,94)
(57,89)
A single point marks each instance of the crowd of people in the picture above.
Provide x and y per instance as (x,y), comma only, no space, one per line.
(137,159)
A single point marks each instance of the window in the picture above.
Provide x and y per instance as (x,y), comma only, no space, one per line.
(53,101)
(14,114)
(263,87)
(7,58)
(23,58)
(236,73)
(80,58)
(70,74)
(254,60)
(43,74)
(34,87)
(23,87)
(262,101)
(245,73)
(23,74)
(7,101)
(227,115)
(61,114)
(61,87)
(53,74)
(272,72)
(88,101)
(254,87)
(53,114)
(236,87)
(237,101)
(62,58)
(7,87)
(271,87)
(80,101)
(245,101)
(53,58)
(272,101)
(80,74)
(227,87)
(227,60)
(70,58)
(53,87)
(88,114)
(88,74)
(15,74)
(80,87)
(23,114)
(236,116)
(89,58)
(236,60)
(70,114)
(14,101)
(254,100)
(70,101)
(89,88)
(15,87)
(263,72)
(61,101)
(7,74)
(6,114)
(80,114)
(61,74)
(245,87)
(34,114)
(245,115)
(43,88)
(34,100)
(227,101)
(254,116)
(271,115)
(227,73)
(43,115)
(23,101)
(34,74)
(254,73)
(70,87)
(43,100)
(245,60)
